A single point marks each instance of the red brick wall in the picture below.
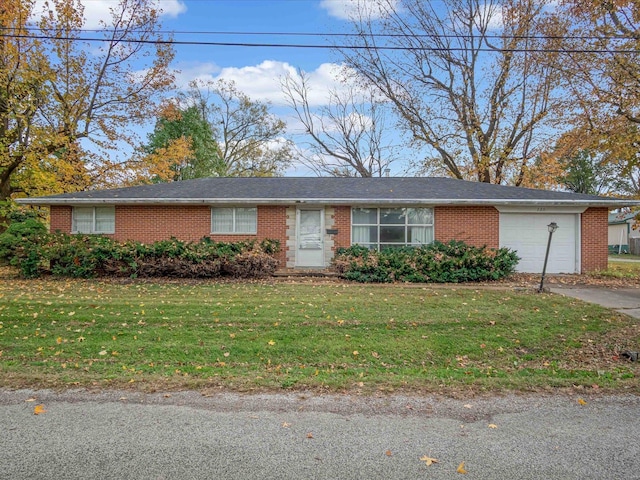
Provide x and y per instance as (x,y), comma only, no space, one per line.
(272,223)
(342,222)
(60,218)
(594,239)
(149,223)
(476,226)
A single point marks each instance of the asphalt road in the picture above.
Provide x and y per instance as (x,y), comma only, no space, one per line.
(124,435)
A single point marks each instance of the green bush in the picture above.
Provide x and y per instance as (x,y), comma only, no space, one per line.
(451,262)
(78,256)
(87,256)
(20,242)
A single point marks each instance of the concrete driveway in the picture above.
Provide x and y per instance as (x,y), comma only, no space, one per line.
(624,300)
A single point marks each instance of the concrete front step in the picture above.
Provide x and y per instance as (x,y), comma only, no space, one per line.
(306,272)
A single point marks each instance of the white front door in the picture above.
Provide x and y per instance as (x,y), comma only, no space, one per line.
(310,250)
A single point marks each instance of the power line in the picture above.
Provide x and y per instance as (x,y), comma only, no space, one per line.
(321,46)
(352,35)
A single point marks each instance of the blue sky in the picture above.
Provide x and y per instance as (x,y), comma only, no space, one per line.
(257,71)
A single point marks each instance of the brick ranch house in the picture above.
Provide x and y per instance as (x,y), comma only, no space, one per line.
(312,217)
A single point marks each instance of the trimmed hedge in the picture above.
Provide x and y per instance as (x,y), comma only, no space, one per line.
(25,230)
(85,256)
(438,262)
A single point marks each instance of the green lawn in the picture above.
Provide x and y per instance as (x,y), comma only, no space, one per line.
(619,268)
(625,256)
(329,337)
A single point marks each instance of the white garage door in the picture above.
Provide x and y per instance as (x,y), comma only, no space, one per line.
(527,233)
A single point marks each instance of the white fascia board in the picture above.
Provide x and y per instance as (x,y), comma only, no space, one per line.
(540,209)
(498,203)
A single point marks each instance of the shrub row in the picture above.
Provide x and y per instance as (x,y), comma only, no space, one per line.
(36,252)
(451,262)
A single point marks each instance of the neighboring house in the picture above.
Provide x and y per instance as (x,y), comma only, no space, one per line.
(622,227)
(312,217)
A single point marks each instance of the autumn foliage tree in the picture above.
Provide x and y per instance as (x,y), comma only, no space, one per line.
(65,103)
(184,137)
(601,69)
(602,55)
(467,78)
(600,162)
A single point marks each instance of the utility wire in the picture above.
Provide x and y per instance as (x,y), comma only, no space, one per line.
(351,35)
(321,46)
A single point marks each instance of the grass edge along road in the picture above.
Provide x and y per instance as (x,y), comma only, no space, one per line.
(327,337)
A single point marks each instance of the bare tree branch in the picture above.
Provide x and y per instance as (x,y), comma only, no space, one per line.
(346,134)
(472,108)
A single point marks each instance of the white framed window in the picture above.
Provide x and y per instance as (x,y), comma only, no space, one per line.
(93,220)
(379,228)
(234,220)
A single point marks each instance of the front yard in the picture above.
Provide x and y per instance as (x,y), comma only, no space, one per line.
(330,336)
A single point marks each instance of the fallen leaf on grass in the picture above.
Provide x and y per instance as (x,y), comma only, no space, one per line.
(461,469)
(38,409)
(428,460)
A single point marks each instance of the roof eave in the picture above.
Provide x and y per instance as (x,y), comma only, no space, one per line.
(612,203)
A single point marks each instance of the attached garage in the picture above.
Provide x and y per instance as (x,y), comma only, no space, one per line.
(527,233)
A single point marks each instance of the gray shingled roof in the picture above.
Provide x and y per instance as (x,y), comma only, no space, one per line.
(325,190)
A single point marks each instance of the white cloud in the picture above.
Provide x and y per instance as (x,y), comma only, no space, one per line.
(327,77)
(349,9)
(96,11)
(202,72)
(263,81)
(260,82)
